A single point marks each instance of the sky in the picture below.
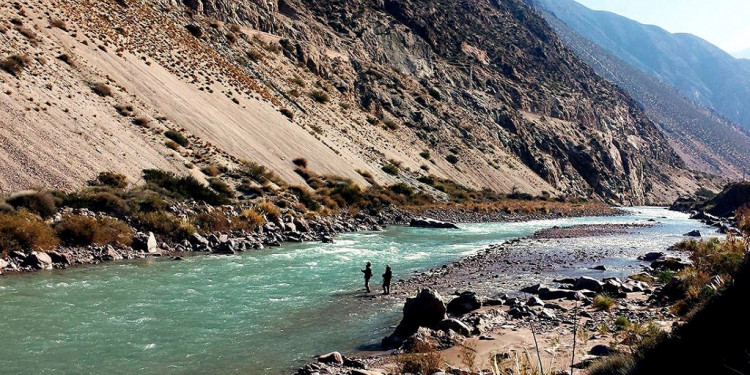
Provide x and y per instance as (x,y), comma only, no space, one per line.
(724,23)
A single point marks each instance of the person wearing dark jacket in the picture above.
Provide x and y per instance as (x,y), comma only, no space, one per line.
(368,274)
(387,280)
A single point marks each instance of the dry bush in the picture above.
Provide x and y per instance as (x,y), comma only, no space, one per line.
(194,30)
(15,64)
(41,203)
(101,89)
(142,121)
(214,221)
(172,145)
(269,210)
(300,162)
(253,218)
(110,179)
(602,302)
(423,360)
(221,187)
(58,23)
(77,230)
(177,137)
(211,171)
(24,231)
(164,223)
(288,113)
(319,96)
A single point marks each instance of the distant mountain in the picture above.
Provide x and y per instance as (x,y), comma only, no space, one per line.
(696,68)
(744,54)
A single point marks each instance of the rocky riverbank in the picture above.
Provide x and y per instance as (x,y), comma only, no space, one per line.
(271,234)
(458,307)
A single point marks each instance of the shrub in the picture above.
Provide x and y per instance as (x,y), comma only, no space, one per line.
(41,203)
(99,201)
(288,113)
(247,188)
(402,189)
(58,23)
(253,170)
(269,210)
(319,96)
(622,323)
(211,171)
(183,187)
(602,303)
(214,221)
(423,359)
(177,137)
(66,59)
(77,230)
(15,64)
(297,81)
(425,154)
(305,197)
(111,179)
(453,159)
(221,187)
(172,145)
(165,223)
(194,30)
(390,124)
(391,169)
(25,231)
(141,121)
(618,364)
(253,218)
(300,162)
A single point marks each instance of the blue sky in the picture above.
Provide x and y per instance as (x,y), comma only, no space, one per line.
(725,23)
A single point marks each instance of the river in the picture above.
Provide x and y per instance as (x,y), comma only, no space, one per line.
(260,312)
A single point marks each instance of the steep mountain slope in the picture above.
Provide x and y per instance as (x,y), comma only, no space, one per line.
(485,90)
(705,140)
(698,69)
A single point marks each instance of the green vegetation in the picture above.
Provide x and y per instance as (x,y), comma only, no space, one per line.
(602,302)
(453,159)
(182,187)
(391,169)
(77,230)
(101,89)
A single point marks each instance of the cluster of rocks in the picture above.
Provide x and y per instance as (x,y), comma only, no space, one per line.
(426,318)
(726,225)
(584,288)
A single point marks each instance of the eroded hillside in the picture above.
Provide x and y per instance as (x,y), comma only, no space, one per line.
(479,92)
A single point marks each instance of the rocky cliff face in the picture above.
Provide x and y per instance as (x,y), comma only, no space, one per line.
(480,92)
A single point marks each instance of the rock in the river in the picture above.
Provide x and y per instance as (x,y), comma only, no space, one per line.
(464,303)
(588,283)
(693,233)
(427,309)
(548,294)
(650,257)
(38,260)
(145,242)
(422,222)
(534,301)
(671,264)
(227,247)
(333,357)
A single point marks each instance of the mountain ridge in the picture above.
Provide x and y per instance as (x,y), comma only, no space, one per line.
(509,108)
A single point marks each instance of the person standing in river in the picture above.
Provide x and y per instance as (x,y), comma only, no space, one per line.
(387,279)
(368,274)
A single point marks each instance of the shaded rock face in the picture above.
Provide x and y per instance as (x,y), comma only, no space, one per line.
(512,87)
(464,303)
(426,310)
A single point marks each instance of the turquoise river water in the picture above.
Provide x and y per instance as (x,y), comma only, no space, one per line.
(261,312)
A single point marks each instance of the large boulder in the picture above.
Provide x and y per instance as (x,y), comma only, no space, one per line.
(547,294)
(427,310)
(226,247)
(670,264)
(650,257)
(59,258)
(145,242)
(38,260)
(422,222)
(588,283)
(332,358)
(693,233)
(464,303)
